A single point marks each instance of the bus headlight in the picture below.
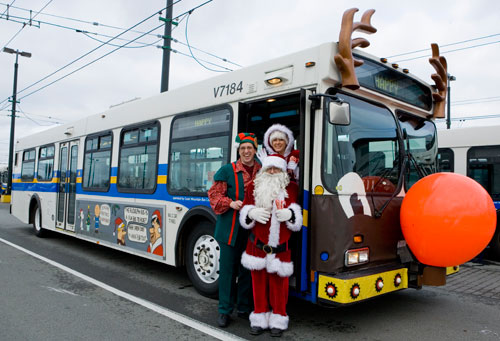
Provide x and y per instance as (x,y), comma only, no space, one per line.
(357,256)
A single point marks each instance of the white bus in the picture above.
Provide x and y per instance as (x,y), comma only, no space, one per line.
(135,178)
(474,152)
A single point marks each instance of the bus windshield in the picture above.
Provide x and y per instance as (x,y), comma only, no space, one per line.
(367,146)
(421,143)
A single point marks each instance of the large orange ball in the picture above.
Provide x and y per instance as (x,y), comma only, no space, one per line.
(447,219)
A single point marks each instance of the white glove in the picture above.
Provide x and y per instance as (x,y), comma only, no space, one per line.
(283,215)
(262,154)
(291,165)
(259,214)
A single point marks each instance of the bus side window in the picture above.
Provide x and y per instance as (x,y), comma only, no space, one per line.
(199,146)
(137,167)
(45,163)
(28,167)
(446,160)
(483,165)
(97,162)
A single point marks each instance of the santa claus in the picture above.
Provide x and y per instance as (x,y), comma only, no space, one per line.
(271,212)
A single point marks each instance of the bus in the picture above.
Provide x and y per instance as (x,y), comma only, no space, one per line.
(135,178)
(474,152)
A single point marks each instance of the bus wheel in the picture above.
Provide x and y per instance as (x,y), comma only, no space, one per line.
(37,220)
(202,259)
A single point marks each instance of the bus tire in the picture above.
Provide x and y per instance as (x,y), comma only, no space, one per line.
(202,259)
(37,221)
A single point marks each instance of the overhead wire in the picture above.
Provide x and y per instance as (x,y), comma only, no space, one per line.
(90,63)
(15,35)
(449,51)
(8,6)
(88,33)
(191,51)
(445,45)
(94,49)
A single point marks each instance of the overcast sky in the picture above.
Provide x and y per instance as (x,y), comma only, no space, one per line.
(244,32)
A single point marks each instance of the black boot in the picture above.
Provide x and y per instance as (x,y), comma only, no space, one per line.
(223,320)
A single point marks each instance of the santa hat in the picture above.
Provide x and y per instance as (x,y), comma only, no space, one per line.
(246,138)
(274,160)
(156,215)
(278,131)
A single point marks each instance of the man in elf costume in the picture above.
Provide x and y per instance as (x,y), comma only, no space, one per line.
(226,198)
(271,212)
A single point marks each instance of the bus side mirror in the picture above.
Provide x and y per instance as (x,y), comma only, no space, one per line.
(339,112)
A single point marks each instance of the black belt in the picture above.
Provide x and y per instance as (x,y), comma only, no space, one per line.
(266,247)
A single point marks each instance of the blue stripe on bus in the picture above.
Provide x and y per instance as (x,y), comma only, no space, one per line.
(497,204)
(160,193)
(35,186)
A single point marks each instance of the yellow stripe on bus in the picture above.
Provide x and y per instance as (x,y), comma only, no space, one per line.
(305,214)
(162,179)
(113,180)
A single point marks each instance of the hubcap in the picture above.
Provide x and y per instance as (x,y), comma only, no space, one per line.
(206,255)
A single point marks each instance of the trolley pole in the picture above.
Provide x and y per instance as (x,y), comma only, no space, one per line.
(448,117)
(167,40)
(13,119)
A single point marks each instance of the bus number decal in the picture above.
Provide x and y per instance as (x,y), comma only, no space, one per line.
(229,89)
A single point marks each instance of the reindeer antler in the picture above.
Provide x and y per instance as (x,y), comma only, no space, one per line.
(441,80)
(344,59)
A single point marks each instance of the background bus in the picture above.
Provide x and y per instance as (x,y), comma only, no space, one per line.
(135,178)
(475,152)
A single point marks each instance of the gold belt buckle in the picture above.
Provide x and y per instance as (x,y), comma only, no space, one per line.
(267,249)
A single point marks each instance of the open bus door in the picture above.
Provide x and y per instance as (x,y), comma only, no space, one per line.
(293,111)
(66,193)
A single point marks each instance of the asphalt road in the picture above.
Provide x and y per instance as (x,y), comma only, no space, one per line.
(126,297)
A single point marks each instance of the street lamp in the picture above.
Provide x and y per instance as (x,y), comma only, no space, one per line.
(13,119)
(448,118)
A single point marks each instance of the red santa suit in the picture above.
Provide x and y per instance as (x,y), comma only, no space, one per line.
(267,254)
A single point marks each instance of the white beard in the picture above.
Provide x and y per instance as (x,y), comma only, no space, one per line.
(268,187)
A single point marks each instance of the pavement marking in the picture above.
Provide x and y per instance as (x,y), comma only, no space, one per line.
(62,291)
(186,320)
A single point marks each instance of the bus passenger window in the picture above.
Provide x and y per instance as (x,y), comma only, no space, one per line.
(28,168)
(198,148)
(45,163)
(137,168)
(97,162)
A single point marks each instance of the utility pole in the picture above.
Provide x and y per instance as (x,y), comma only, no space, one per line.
(167,41)
(13,120)
(448,118)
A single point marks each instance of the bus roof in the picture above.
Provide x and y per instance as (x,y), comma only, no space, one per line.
(244,84)
(469,137)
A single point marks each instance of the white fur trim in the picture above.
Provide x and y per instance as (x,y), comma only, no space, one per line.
(252,262)
(297,211)
(274,228)
(278,321)
(259,320)
(274,265)
(243,217)
(274,161)
(277,134)
(283,129)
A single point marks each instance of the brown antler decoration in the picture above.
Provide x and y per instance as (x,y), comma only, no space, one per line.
(344,59)
(441,80)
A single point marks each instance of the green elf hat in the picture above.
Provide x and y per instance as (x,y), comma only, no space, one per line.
(246,138)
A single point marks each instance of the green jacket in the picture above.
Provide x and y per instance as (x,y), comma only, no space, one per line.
(228,223)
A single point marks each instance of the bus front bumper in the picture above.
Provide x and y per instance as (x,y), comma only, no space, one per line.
(345,288)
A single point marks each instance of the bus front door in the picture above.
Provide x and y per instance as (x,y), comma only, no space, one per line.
(66,193)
